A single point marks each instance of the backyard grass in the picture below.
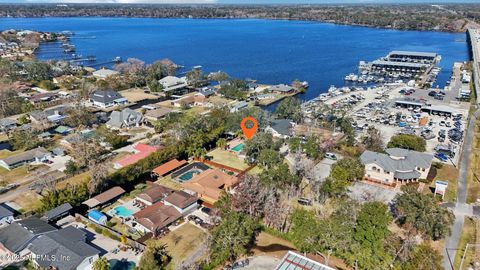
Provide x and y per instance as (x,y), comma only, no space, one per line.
(168,182)
(267,244)
(182,242)
(14,175)
(449,174)
(227,158)
(468,237)
(74,180)
(28,201)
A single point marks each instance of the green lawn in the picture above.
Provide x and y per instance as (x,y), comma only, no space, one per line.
(182,242)
(227,158)
(74,180)
(168,182)
(450,174)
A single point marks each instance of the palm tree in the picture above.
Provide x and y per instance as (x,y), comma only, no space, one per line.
(222,143)
(101,264)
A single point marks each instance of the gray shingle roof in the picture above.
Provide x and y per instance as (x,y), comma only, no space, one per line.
(5,211)
(282,126)
(105,96)
(25,156)
(16,236)
(124,118)
(69,242)
(398,160)
(58,211)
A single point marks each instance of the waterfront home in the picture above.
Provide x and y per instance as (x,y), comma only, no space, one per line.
(209,184)
(281,128)
(33,156)
(104,73)
(15,237)
(105,197)
(239,106)
(153,194)
(141,151)
(6,215)
(188,101)
(266,96)
(207,92)
(66,249)
(107,98)
(7,124)
(126,118)
(172,83)
(156,217)
(396,166)
(182,201)
(281,89)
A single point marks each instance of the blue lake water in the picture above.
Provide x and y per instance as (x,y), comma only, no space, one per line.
(266,50)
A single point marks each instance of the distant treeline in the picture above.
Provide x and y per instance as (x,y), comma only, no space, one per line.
(448,18)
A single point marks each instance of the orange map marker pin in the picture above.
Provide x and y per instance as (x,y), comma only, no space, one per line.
(249,132)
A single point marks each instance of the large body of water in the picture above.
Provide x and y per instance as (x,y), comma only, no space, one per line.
(266,50)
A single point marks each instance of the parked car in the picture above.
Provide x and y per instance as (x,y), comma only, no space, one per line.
(432,93)
(304,201)
(241,264)
(206,210)
(441,157)
(331,156)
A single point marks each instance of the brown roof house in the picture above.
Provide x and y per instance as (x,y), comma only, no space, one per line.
(210,184)
(104,197)
(156,217)
(168,167)
(154,193)
(182,201)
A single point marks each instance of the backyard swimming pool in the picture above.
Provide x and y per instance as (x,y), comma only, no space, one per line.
(122,211)
(238,147)
(188,175)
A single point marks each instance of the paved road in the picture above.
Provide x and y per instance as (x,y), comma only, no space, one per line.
(461,209)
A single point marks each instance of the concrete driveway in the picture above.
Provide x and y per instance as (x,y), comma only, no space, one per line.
(262,262)
(59,163)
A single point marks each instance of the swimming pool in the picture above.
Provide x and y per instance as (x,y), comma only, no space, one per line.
(122,211)
(121,265)
(188,175)
(238,147)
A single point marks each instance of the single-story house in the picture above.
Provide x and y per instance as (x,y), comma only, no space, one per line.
(188,101)
(58,212)
(6,215)
(34,156)
(125,118)
(54,114)
(172,83)
(157,114)
(63,130)
(207,92)
(141,151)
(104,73)
(182,201)
(156,217)
(42,97)
(69,248)
(154,193)
(104,197)
(97,217)
(239,106)
(7,124)
(107,98)
(209,184)
(281,89)
(281,128)
(14,238)
(168,167)
(396,166)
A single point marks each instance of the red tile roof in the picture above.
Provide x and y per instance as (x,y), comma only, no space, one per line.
(168,167)
(143,151)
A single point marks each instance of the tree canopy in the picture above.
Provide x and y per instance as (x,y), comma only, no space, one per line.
(289,108)
(407,141)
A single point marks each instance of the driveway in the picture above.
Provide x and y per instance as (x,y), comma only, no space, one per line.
(59,163)
(323,168)
(262,263)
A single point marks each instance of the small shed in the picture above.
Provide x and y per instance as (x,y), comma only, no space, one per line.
(97,217)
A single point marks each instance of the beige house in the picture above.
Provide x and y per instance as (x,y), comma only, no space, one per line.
(396,166)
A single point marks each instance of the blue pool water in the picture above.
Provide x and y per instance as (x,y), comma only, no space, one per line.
(122,211)
(121,265)
(188,175)
(270,51)
(238,147)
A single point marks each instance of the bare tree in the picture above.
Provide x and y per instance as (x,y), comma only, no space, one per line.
(98,176)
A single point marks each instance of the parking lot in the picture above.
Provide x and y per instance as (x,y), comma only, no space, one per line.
(440,119)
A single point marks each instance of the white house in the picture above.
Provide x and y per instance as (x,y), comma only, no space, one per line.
(396,166)
(6,215)
(107,98)
(34,156)
(172,83)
